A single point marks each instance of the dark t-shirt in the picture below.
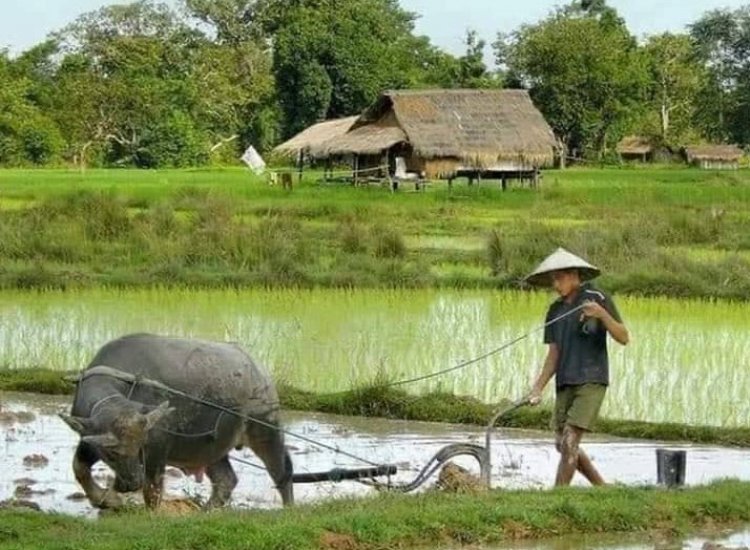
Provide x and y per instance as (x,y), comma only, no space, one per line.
(583,356)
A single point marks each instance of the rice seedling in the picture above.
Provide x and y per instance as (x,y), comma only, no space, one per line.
(687,361)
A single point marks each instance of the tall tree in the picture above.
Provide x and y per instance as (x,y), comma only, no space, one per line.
(723,40)
(127,66)
(583,70)
(27,134)
(333,57)
(472,70)
(676,76)
(142,86)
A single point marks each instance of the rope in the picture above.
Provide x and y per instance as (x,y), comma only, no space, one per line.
(114,373)
(482,357)
(426,472)
(247,463)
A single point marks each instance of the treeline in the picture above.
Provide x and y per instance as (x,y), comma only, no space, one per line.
(146,85)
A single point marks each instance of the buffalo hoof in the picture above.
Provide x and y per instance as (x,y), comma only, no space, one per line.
(110,501)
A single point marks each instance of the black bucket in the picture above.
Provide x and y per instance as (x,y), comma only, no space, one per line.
(670,467)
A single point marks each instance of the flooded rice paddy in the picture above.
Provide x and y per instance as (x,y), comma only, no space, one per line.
(328,340)
(38,449)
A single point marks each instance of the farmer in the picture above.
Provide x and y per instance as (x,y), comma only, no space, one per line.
(577,356)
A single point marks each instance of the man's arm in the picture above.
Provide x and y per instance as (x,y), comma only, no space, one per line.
(617,329)
(548,371)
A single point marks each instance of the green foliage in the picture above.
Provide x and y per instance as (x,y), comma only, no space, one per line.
(211,228)
(172,143)
(584,72)
(148,85)
(327,67)
(676,75)
(27,135)
(390,521)
(722,38)
(388,243)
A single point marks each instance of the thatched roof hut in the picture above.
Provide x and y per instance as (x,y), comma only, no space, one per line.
(635,148)
(438,131)
(714,157)
(311,141)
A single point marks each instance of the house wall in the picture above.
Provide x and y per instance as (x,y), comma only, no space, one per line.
(717,164)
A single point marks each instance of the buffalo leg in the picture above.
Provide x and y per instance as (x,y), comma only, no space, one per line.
(153,483)
(268,445)
(223,481)
(85,457)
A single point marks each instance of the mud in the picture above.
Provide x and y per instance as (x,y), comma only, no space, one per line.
(455,479)
(720,540)
(520,459)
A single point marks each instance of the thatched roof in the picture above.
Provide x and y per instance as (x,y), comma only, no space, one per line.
(370,139)
(479,127)
(635,145)
(312,140)
(725,153)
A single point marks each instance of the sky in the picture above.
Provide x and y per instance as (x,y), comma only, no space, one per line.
(24,23)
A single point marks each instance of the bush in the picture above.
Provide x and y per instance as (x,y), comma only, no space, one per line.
(388,243)
(352,237)
(175,142)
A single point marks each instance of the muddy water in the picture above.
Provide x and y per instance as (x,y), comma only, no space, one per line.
(725,540)
(38,449)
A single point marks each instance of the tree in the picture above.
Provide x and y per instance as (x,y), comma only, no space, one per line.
(27,134)
(234,21)
(723,41)
(125,69)
(333,57)
(241,49)
(137,74)
(584,72)
(472,70)
(676,76)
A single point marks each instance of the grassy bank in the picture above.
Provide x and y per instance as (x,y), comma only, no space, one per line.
(392,403)
(674,232)
(388,521)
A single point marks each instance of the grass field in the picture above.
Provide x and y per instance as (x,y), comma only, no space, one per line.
(333,285)
(665,231)
(128,250)
(390,522)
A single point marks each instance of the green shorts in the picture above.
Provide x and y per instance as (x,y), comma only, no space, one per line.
(578,406)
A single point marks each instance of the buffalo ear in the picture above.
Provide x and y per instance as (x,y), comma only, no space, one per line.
(77,423)
(152,418)
(104,441)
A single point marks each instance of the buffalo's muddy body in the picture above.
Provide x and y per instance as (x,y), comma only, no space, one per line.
(138,429)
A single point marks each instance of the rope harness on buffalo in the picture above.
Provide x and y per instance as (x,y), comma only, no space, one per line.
(364,475)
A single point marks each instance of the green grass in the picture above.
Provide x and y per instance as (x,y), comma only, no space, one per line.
(213,228)
(390,521)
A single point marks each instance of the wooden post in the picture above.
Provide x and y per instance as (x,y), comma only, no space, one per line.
(300,166)
(356,170)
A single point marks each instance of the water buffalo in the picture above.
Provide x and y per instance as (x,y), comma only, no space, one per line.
(138,429)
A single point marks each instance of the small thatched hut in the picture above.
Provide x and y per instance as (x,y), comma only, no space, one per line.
(636,148)
(440,133)
(714,157)
(311,141)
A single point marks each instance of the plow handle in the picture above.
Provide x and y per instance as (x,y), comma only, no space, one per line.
(341,474)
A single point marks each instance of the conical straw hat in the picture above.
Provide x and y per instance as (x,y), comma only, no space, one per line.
(561,260)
